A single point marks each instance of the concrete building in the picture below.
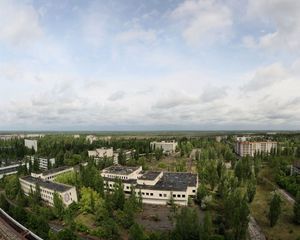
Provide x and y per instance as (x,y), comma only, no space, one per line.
(154,187)
(245,148)
(44,163)
(167,147)
(31,144)
(68,193)
(128,154)
(101,153)
(50,175)
(11,169)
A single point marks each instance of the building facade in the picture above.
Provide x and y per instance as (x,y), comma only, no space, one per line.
(11,169)
(51,174)
(154,187)
(167,147)
(245,148)
(29,143)
(67,193)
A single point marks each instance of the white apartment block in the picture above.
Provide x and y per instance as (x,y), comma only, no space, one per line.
(154,187)
(167,147)
(44,163)
(101,153)
(245,148)
(51,174)
(68,193)
(127,153)
(31,144)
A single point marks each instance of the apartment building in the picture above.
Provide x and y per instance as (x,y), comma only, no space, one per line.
(246,148)
(51,174)
(166,146)
(128,154)
(154,187)
(29,143)
(101,153)
(68,193)
(43,162)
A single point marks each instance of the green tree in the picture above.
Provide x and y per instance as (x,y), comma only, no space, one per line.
(275,210)
(4,203)
(136,232)
(58,206)
(297,208)
(251,190)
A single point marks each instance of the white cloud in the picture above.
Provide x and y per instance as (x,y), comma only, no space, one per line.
(281,17)
(203,21)
(118,95)
(19,23)
(266,76)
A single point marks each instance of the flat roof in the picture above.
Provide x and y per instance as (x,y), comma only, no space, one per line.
(149,175)
(120,170)
(58,187)
(55,170)
(173,182)
(129,181)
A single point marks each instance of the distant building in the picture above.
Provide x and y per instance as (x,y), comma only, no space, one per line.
(154,187)
(76,136)
(128,154)
(68,193)
(31,144)
(91,138)
(101,153)
(245,148)
(51,174)
(167,147)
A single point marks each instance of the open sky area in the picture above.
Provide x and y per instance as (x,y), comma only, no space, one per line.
(149,64)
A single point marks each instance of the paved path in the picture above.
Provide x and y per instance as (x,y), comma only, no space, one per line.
(255,231)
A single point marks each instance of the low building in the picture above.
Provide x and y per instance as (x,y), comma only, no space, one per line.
(10,169)
(167,147)
(51,174)
(154,187)
(246,148)
(68,193)
(31,144)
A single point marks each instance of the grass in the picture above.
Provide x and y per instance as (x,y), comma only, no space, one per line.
(285,228)
(86,219)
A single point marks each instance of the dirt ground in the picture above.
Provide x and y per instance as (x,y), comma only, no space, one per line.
(155,218)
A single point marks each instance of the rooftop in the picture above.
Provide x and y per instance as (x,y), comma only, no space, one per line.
(55,170)
(149,175)
(173,182)
(58,187)
(120,170)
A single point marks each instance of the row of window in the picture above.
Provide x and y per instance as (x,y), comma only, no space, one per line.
(114,176)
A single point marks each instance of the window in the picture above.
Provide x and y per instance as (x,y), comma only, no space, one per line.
(160,195)
(174,195)
(143,193)
(147,194)
(194,190)
(183,196)
(151,194)
(165,195)
(178,195)
(127,187)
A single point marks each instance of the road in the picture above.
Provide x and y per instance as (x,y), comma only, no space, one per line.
(254,230)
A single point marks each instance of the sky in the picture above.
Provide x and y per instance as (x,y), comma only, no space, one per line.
(150,65)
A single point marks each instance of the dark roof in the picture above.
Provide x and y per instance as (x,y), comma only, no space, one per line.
(130,181)
(55,170)
(149,175)
(173,182)
(121,170)
(58,187)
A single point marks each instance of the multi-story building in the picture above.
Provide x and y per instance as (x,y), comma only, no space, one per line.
(154,187)
(128,154)
(68,193)
(167,147)
(245,148)
(29,143)
(11,169)
(51,174)
(101,153)
(44,163)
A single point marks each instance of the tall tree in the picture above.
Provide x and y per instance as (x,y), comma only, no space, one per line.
(275,210)
(58,206)
(297,208)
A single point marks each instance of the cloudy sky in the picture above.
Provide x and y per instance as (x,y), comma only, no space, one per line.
(149,64)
